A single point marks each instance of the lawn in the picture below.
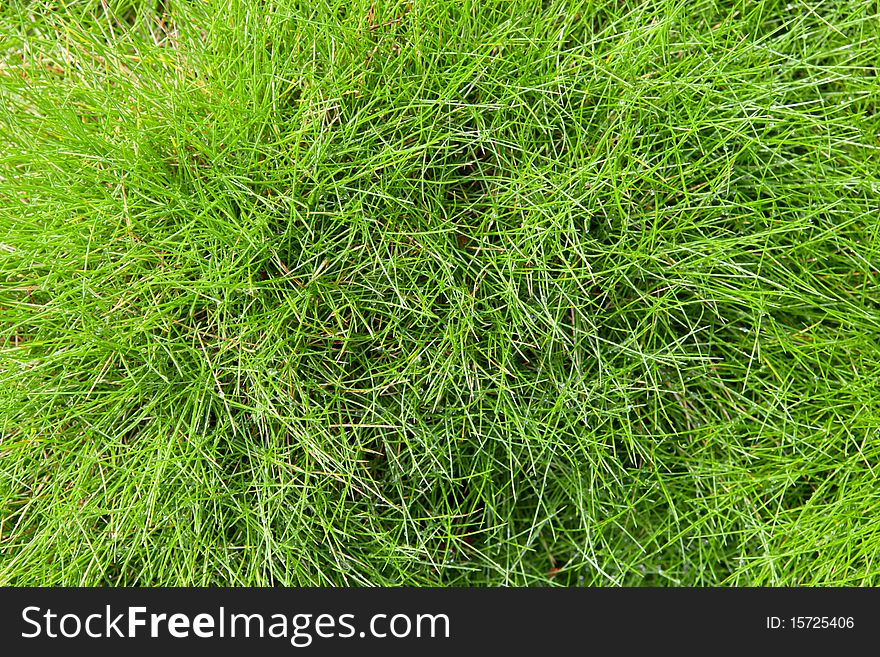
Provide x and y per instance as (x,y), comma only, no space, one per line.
(440,293)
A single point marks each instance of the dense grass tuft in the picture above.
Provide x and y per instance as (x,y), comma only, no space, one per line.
(440,293)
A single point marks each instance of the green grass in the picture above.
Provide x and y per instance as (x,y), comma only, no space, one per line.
(440,293)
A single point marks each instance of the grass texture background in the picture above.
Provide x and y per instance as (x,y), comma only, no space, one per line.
(440,293)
